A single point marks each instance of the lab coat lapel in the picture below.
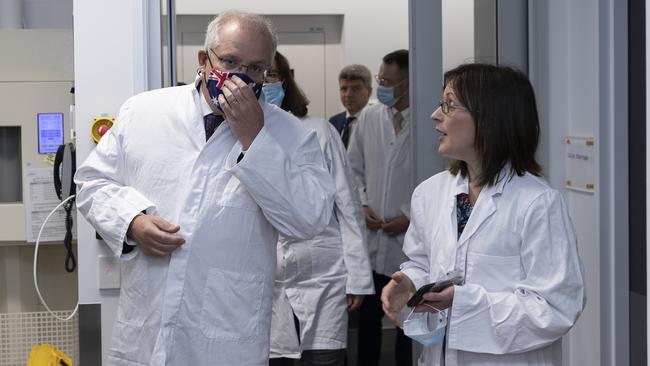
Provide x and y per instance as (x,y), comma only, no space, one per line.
(445,235)
(189,111)
(484,207)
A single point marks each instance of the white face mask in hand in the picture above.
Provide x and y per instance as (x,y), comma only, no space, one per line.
(426,328)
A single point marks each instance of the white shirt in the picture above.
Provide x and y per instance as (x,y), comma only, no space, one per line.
(381,161)
(353,122)
(524,282)
(314,276)
(209,302)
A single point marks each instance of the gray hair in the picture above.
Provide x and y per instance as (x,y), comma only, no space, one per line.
(250,20)
(356,72)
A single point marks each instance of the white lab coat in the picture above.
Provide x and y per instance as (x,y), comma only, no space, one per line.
(209,302)
(381,162)
(524,283)
(313,276)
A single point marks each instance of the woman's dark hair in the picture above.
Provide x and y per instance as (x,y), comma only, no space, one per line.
(294,100)
(502,103)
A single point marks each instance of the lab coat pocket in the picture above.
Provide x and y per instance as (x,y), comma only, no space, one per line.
(133,307)
(327,261)
(231,305)
(236,195)
(494,273)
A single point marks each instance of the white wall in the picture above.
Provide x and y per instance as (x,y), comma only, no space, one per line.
(457,33)
(371,29)
(578,70)
(105,74)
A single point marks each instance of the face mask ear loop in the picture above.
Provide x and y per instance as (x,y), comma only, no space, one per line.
(207,52)
(411,313)
(431,306)
(436,309)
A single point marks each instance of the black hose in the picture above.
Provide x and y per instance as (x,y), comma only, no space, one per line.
(70,261)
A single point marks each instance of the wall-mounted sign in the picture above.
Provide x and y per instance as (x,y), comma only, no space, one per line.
(580,164)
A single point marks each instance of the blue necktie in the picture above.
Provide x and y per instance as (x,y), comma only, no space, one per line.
(211,122)
(345,132)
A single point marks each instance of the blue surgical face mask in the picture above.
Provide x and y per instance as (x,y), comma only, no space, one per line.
(274,93)
(426,328)
(386,95)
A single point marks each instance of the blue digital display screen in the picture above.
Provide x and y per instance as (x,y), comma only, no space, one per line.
(50,132)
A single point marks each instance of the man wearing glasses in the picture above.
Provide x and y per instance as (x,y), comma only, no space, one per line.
(380,155)
(190,188)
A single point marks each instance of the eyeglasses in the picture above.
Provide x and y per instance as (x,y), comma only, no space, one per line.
(255,71)
(271,76)
(386,82)
(446,107)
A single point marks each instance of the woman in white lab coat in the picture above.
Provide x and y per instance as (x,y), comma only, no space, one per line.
(494,221)
(319,280)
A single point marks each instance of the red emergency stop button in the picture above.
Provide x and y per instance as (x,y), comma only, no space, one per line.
(100,126)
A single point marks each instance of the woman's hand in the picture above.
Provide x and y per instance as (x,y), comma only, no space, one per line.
(439,300)
(395,295)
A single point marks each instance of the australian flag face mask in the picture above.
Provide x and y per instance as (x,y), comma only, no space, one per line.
(217,78)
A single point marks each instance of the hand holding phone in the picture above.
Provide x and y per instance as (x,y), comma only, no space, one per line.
(416,299)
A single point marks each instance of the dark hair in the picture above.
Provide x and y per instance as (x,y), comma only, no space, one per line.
(502,103)
(399,57)
(294,100)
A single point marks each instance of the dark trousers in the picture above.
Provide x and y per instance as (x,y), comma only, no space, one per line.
(370,316)
(316,357)
(321,357)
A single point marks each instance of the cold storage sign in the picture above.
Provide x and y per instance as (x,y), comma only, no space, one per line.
(580,166)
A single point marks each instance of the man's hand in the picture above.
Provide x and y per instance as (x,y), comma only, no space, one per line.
(154,235)
(395,225)
(439,300)
(242,110)
(372,221)
(395,295)
(354,301)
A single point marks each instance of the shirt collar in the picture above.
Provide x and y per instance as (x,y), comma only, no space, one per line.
(461,184)
(203,104)
(405,113)
(356,115)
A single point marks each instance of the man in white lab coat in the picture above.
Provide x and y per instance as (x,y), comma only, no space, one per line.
(380,155)
(199,265)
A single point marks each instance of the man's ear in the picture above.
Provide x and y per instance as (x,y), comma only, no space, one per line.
(203,57)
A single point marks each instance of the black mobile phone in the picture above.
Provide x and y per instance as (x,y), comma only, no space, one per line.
(438,286)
